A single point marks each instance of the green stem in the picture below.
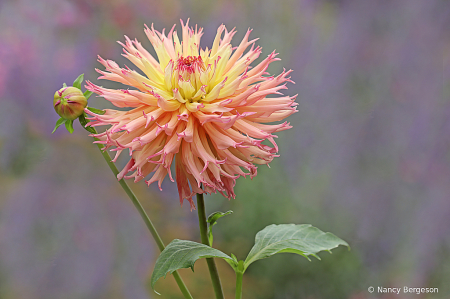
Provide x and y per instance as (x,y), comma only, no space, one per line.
(145,217)
(239,276)
(204,235)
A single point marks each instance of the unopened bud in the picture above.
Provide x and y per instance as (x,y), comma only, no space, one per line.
(69,102)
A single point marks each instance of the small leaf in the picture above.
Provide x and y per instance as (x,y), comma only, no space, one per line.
(97,111)
(212,220)
(183,254)
(234,258)
(78,81)
(64,85)
(302,239)
(69,126)
(87,94)
(59,122)
(84,122)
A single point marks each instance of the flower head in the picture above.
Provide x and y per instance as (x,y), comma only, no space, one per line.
(205,109)
(69,102)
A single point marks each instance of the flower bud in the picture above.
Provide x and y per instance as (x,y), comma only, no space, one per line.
(69,102)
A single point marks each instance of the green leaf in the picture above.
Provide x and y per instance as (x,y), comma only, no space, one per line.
(97,111)
(212,220)
(87,94)
(59,122)
(84,122)
(64,85)
(78,81)
(69,126)
(183,254)
(234,258)
(302,239)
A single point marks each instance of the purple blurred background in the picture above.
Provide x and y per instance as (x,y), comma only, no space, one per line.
(368,158)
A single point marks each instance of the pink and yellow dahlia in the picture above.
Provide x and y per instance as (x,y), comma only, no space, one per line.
(207,109)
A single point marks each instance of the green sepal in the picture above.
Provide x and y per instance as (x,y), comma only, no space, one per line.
(212,220)
(78,81)
(84,122)
(87,94)
(59,122)
(69,125)
(96,111)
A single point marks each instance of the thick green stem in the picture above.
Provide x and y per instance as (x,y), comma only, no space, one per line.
(239,276)
(204,235)
(145,217)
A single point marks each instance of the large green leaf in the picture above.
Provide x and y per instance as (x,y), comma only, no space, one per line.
(302,239)
(183,254)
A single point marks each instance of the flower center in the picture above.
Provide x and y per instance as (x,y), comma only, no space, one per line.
(189,79)
(190,64)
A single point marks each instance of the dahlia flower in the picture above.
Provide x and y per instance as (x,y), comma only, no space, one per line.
(205,109)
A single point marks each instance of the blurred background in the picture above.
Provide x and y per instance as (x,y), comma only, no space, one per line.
(368,158)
